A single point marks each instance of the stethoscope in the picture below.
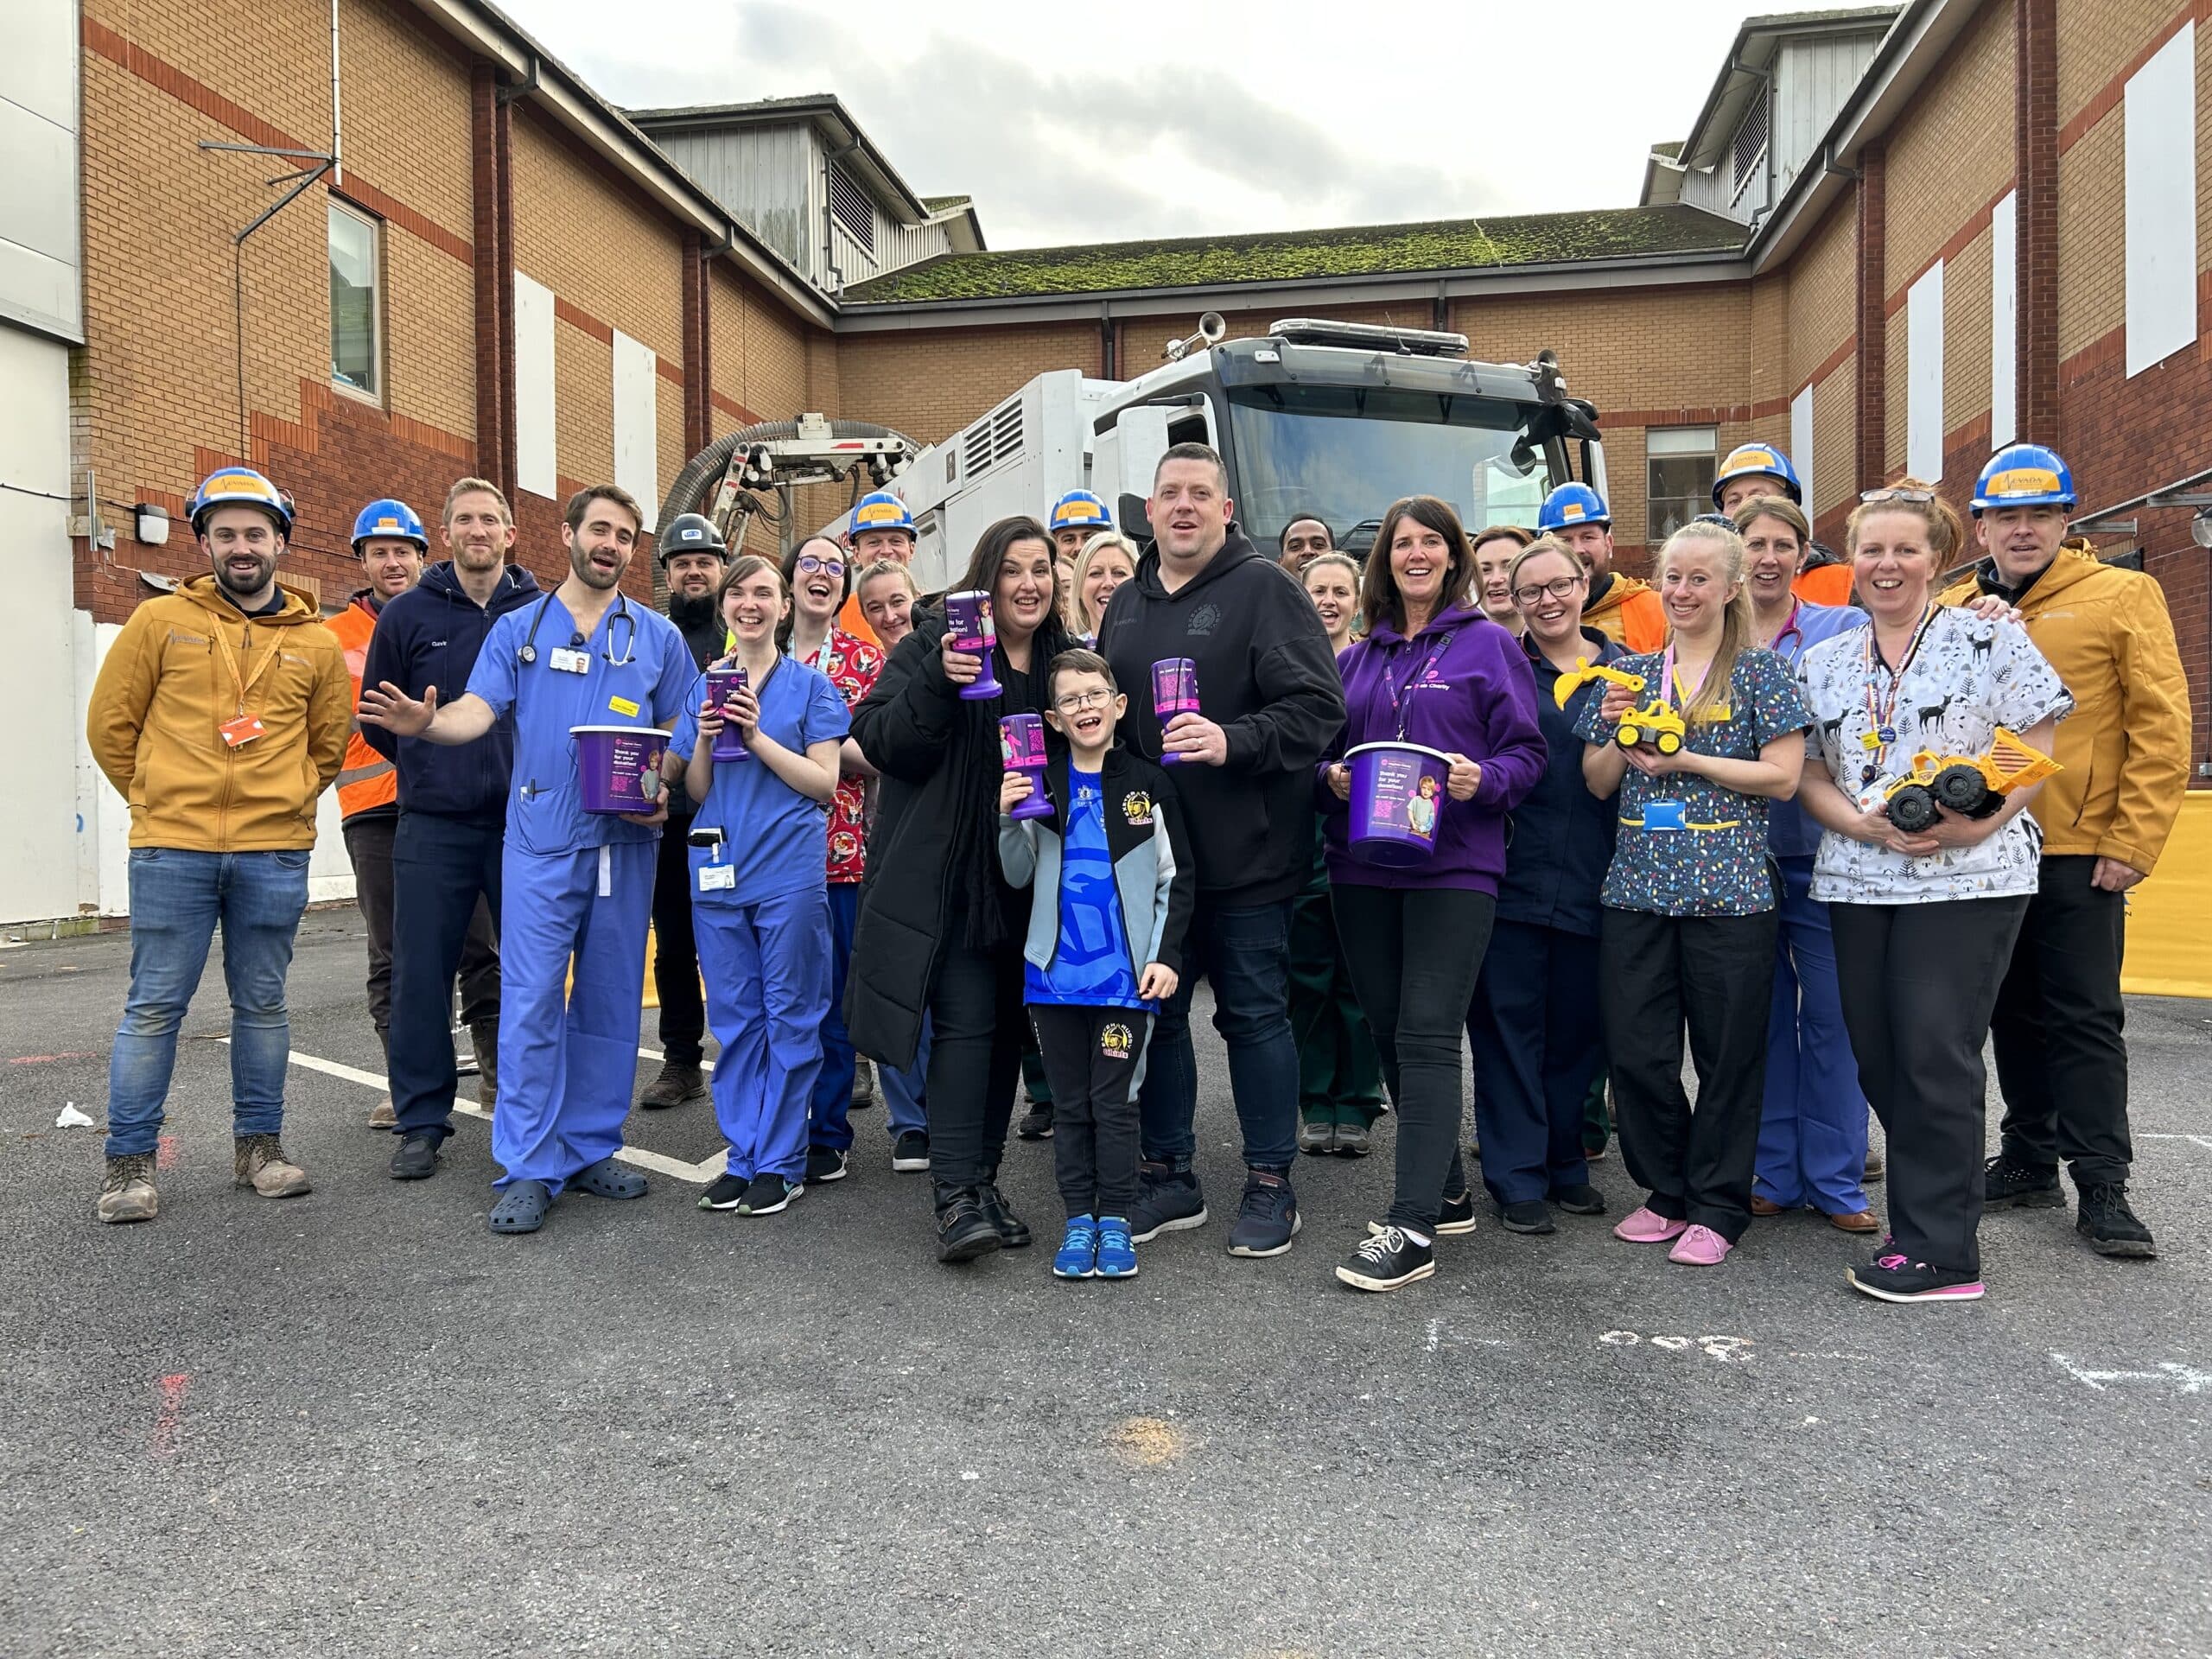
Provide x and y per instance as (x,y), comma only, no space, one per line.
(528,653)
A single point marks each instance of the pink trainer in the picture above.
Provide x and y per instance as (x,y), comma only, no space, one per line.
(1640,1226)
(1701,1247)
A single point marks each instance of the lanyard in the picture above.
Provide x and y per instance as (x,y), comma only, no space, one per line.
(1674,683)
(1881,719)
(1398,688)
(244,683)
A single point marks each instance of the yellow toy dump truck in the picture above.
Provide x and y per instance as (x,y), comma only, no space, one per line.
(1655,722)
(1973,786)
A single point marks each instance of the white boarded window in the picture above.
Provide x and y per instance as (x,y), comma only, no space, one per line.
(2161,134)
(2003,318)
(637,425)
(1923,376)
(1800,443)
(536,467)
(1680,462)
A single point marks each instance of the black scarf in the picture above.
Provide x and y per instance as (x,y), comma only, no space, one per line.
(976,836)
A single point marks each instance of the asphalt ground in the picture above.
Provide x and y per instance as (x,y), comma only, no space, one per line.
(355,1422)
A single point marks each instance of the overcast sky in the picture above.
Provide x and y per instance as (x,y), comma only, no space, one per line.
(1144,118)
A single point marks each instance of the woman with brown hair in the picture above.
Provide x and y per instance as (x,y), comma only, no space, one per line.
(1495,549)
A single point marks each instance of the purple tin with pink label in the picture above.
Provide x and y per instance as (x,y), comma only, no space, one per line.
(723,685)
(1021,745)
(1397,794)
(968,621)
(618,767)
(1174,691)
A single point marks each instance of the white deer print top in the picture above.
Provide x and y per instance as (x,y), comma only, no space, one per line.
(1967,678)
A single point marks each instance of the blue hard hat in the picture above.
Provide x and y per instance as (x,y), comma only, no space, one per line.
(1756,460)
(238,487)
(1079,510)
(390,517)
(1571,505)
(881,511)
(2023,475)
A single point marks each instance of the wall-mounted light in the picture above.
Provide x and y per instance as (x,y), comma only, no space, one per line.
(2199,527)
(152,523)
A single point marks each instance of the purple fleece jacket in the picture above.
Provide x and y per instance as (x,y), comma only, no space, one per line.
(1463,687)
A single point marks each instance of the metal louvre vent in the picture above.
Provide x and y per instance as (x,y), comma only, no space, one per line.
(991,440)
(1750,145)
(850,207)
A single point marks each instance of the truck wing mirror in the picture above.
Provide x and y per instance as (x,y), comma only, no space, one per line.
(1129,517)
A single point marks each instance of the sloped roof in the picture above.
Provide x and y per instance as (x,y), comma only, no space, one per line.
(1366,250)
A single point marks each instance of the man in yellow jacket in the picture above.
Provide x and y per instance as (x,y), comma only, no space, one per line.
(221,714)
(2062,1061)
(1622,609)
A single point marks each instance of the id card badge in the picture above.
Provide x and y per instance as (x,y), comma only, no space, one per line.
(567,659)
(717,878)
(243,730)
(1665,815)
(1874,794)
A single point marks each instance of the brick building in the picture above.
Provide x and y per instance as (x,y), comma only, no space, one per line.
(1894,236)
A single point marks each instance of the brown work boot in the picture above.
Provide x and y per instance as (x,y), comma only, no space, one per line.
(381,1116)
(675,1085)
(259,1161)
(484,1037)
(128,1192)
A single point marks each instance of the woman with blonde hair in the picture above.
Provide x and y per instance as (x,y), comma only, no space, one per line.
(1687,938)
(1107,560)
(1332,582)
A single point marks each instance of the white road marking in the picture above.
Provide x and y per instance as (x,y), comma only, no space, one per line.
(702,1173)
(2203,1140)
(2189,1380)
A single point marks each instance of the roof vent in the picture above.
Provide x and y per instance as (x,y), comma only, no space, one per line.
(1368,336)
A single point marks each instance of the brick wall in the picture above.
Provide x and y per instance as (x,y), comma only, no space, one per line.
(929,385)
(2100,41)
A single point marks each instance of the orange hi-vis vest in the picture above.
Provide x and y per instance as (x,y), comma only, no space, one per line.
(368,780)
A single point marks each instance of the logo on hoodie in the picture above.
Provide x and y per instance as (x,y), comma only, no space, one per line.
(1203,621)
(1136,807)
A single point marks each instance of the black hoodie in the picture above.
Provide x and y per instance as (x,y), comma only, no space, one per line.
(1266,676)
(429,635)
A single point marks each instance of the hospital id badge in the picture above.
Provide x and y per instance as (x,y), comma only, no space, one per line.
(243,730)
(1665,815)
(569,660)
(717,878)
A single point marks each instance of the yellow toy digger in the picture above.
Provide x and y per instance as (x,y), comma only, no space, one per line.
(1657,722)
(1974,787)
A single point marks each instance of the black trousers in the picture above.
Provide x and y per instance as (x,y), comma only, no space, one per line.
(1533,1026)
(368,848)
(1715,975)
(2062,1061)
(1918,983)
(977,1028)
(445,919)
(1091,1058)
(1414,953)
(675,953)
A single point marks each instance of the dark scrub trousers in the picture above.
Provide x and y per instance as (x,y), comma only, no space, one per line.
(1339,1073)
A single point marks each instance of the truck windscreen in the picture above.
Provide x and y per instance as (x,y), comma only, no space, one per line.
(1347,453)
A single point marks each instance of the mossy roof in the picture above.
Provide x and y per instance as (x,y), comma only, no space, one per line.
(946,204)
(1357,250)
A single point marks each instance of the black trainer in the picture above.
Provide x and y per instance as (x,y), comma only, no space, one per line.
(1267,1215)
(768,1195)
(1168,1202)
(1456,1217)
(1036,1123)
(1893,1278)
(2008,1185)
(1529,1216)
(1580,1200)
(1012,1230)
(962,1231)
(1386,1260)
(2110,1226)
(727,1193)
(824,1164)
(910,1152)
(416,1159)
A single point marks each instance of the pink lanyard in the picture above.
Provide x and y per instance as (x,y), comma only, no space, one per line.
(1675,686)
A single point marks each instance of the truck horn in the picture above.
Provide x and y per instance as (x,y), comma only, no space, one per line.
(1212,328)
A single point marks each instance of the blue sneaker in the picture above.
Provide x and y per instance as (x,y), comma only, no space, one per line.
(1077,1256)
(1118,1257)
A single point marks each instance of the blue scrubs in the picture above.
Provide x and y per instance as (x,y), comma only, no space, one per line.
(760,915)
(578,885)
(1812,1117)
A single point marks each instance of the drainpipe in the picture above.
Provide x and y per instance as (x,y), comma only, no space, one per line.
(337,155)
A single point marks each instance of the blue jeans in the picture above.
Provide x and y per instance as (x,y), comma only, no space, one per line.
(905,1094)
(1245,955)
(176,899)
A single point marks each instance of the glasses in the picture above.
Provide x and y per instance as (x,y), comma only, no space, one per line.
(1557,588)
(1083,700)
(808,565)
(1918,498)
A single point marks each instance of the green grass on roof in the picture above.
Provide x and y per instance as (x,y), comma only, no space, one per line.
(945,204)
(1189,262)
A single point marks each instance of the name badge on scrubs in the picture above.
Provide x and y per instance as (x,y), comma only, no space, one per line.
(567,660)
(717,877)
(1665,815)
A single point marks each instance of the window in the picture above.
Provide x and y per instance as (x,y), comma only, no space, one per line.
(356,360)
(1749,149)
(1682,463)
(850,207)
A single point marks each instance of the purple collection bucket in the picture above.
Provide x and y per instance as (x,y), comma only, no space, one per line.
(1397,795)
(1174,691)
(968,620)
(723,685)
(1021,742)
(618,767)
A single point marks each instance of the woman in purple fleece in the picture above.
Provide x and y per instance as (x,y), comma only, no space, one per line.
(1433,671)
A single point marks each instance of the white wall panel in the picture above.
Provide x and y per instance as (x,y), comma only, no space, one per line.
(1923,376)
(2161,130)
(2003,318)
(637,425)
(536,464)
(1800,443)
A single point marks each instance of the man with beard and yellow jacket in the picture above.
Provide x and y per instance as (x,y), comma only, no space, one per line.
(1622,609)
(2062,1062)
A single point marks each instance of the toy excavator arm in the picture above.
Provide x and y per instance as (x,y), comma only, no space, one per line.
(2011,764)
(1585,671)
